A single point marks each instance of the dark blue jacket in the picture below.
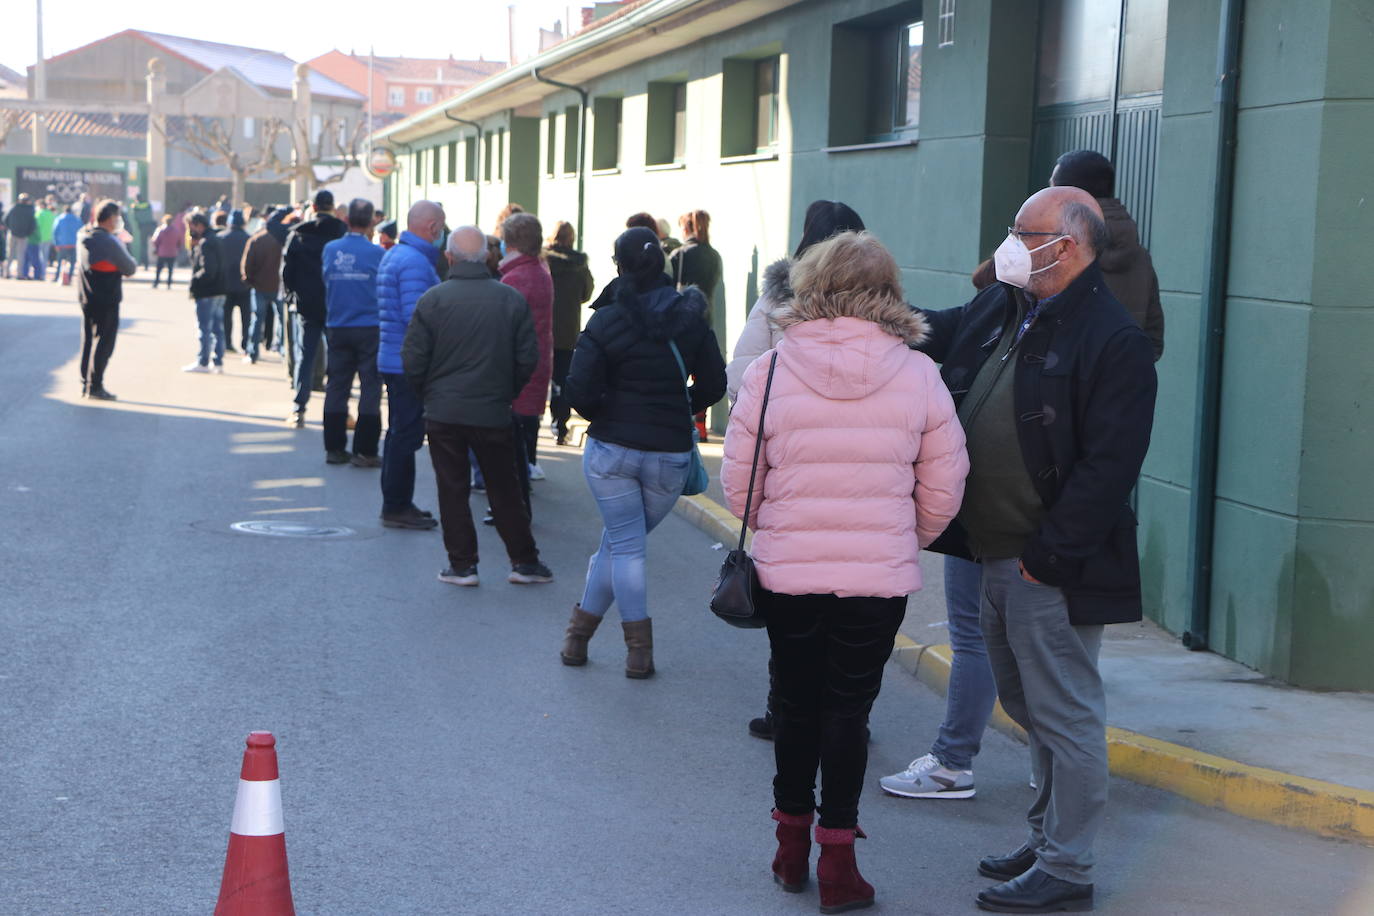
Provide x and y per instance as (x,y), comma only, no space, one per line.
(1084,389)
(406,273)
(350,282)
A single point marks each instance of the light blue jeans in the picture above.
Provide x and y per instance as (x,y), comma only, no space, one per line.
(972,691)
(634,490)
(210,317)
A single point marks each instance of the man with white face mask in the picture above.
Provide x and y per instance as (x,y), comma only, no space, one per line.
(1055,386)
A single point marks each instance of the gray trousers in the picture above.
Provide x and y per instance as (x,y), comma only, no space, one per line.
(1047,678)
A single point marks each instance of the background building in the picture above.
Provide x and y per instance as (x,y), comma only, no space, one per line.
(934,120)
(402,85)
(97,105)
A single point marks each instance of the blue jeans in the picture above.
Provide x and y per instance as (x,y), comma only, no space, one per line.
(261,304)
(634,490)
(405,433)
(972,691)
(307,342)
(35,266)
(210,317)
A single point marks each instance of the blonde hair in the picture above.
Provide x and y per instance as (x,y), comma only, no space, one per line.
(851,275)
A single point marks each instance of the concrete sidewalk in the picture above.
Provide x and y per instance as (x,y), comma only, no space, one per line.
(1193,723)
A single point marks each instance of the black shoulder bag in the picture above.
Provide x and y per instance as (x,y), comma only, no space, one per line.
(735,599)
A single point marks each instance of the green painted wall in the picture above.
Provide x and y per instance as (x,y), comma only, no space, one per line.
(1293,591)
(1293,588)
(135,170)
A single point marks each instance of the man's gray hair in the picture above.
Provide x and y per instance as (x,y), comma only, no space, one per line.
(468,244)
(1087,228)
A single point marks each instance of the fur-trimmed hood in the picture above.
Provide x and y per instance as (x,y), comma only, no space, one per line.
(889,313)
(777,282)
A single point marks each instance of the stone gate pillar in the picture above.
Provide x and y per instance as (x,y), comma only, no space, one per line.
(157,139)
(302,175)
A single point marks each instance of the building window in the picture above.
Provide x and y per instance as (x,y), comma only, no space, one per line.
(249,128)
(487,142)
(946,23)
(1077,51)
(424,96)
(453,162)
(501,154)
(572,121)
(875,83)
(606,112)
(550,143)
(434,164)
(419,167)
(396,96)
(316,128)
(765,104)
(666,139)
(470,159)
(750,102)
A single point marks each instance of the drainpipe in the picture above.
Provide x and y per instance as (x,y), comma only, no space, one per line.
(581,145)
(477,178)
(1202,517)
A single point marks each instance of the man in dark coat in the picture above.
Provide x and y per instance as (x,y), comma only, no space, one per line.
(572,286)
(469,348)
(102,262)
(21,223)
(237,293)
(303,279)
(1055,386)
(207,290)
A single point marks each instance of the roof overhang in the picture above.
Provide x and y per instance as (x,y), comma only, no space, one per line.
(642,33)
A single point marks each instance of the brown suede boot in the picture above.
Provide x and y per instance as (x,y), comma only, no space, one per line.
(581,627)
(639,640)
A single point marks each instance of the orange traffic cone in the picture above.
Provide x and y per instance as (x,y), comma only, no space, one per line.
(256,881)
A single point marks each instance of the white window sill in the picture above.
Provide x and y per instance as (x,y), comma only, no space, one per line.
(766,156)
(599,172)
(860,147)
(665,167)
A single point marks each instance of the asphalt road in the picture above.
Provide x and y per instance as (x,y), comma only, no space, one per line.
(435,756)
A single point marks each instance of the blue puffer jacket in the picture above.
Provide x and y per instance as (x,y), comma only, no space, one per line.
(405,274)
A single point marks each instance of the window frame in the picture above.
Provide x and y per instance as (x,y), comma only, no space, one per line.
(420,95)
(395,95)
(766,142)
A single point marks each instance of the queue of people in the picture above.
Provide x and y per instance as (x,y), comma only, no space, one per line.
(1005,434)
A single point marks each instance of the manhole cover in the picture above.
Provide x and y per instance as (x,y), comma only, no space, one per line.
(292,529)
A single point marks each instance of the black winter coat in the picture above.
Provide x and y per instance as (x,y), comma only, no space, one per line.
(572,286)
(1085,396)
(21,222)
(302,263)
(207,268)
(625,380)
(231,245)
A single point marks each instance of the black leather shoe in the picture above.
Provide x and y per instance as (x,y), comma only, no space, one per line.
(1004,868)
(1037,892)
(100,394)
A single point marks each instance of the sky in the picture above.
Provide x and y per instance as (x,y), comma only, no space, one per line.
(301,29)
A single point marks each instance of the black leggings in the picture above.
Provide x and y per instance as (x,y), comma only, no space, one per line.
(168,263)
(828,658)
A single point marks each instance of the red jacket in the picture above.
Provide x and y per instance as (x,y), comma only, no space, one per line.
(530,277)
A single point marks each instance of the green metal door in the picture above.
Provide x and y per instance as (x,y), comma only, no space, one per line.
(1100,86)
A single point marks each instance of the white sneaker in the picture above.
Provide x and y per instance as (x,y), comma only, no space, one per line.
(924,777)
(536,472)
(195,367)
(217,369)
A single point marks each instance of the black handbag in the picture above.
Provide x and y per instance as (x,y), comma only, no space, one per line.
(735,599)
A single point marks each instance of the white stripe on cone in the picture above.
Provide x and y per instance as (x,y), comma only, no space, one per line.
(257,809)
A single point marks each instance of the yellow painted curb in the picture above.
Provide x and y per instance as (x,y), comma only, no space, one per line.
(1324,808)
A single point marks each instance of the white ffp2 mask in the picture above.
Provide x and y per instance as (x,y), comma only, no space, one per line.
(1012,259)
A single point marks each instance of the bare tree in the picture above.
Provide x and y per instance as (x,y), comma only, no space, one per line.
(9,121)
(211,140)
(338,146)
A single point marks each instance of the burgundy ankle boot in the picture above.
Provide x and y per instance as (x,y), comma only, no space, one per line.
(792,864)
(837,873)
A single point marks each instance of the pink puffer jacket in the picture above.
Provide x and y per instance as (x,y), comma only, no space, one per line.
(530,276)
(863,461)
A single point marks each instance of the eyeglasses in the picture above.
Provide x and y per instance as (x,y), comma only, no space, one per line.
(1020,233)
